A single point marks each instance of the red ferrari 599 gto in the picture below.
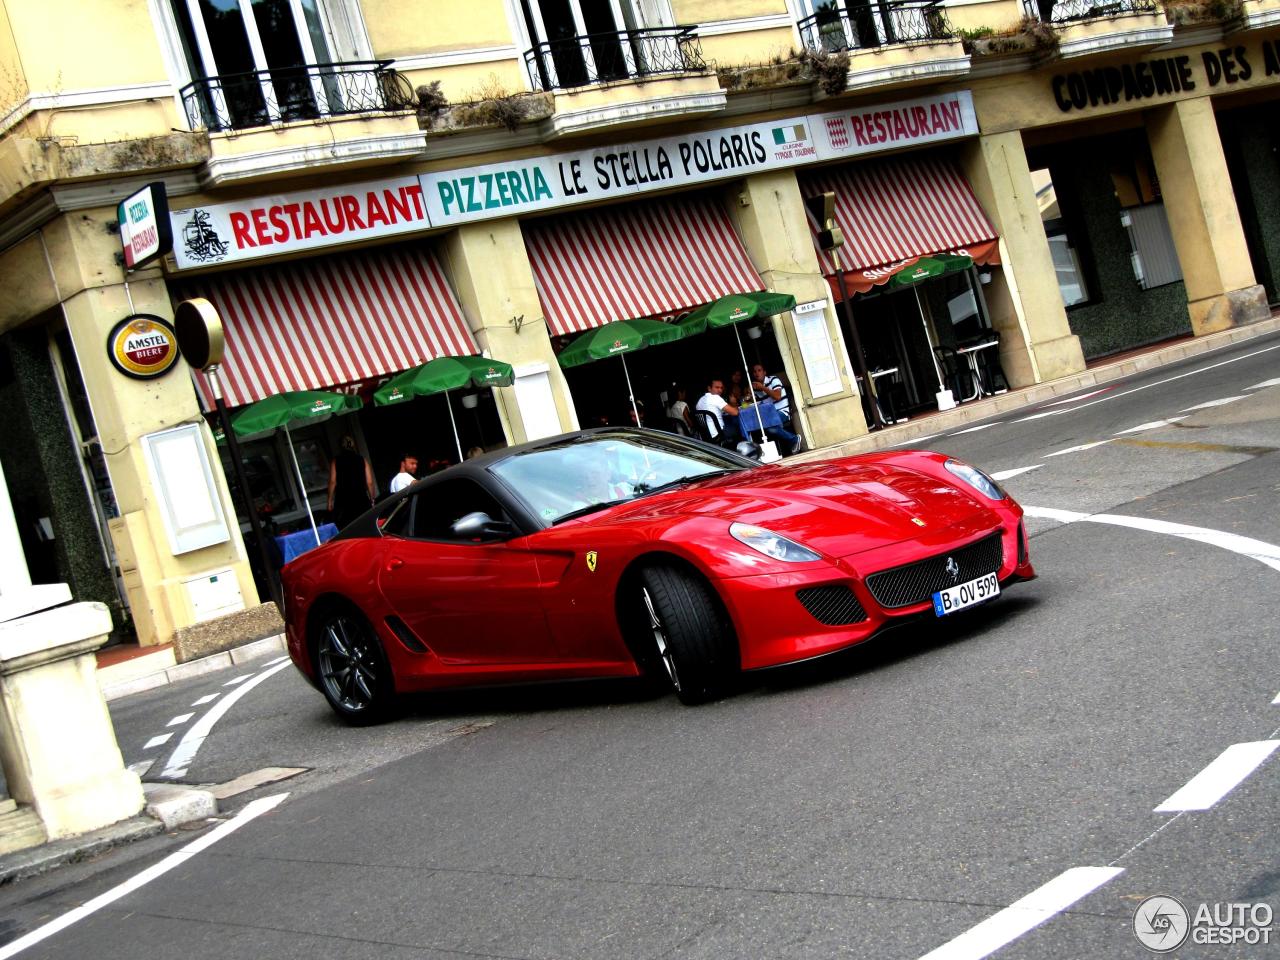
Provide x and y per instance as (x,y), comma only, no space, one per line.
(615,552)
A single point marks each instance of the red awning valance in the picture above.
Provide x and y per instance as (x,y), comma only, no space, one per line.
(318,323)
(635,260)
(893,212)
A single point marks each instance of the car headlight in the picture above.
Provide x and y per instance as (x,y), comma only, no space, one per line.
(771,544)
(976,479)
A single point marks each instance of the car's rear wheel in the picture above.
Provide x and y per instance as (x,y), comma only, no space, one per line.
(688,633)
(352,668)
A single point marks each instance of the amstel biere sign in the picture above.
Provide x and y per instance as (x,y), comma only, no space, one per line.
(142,346)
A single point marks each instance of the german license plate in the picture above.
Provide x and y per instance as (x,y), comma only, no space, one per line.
(965,594)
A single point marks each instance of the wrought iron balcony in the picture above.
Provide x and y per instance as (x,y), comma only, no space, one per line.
(858,25)
(1070,11)
(619,55)
(239,101)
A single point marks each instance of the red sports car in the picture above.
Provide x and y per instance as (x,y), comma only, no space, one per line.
(615,552)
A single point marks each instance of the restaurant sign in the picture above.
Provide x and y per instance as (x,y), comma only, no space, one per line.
(267,226)
(517,187)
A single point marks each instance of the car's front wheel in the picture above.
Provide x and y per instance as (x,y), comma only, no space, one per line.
(688,631)
(352,668)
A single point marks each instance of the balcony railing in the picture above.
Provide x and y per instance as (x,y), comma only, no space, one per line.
(238,101)
(1070,11)
(872,24)
(618,55)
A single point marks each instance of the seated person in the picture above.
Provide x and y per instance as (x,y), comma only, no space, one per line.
(726,414)
(769,387)
(595,483)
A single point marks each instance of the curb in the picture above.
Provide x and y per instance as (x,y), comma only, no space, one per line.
(1022,397)
(196,668)
(37,860)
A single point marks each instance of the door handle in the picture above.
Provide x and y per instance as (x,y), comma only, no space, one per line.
(395,563)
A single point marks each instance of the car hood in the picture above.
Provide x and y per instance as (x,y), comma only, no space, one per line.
(839,509)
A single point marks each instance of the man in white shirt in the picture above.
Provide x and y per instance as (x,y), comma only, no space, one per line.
(720,408)
(408,473)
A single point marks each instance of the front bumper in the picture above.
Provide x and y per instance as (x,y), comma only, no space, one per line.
(775,627)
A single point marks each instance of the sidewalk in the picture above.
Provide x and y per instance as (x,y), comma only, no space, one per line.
(1104,372)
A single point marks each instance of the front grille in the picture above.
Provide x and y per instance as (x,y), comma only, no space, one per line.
(835,605)
(916,582)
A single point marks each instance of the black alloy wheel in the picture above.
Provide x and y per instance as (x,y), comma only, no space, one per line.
(353,670)
(689,632)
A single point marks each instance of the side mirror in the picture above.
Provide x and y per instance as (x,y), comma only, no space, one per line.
(479,525)
(746,448)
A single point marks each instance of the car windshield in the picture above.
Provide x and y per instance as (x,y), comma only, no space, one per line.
(593,471)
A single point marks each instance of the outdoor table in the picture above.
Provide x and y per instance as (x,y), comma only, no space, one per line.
(760,415)
(971,354)
(294,545)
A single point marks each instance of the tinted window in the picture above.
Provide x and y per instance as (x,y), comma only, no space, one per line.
(437,508)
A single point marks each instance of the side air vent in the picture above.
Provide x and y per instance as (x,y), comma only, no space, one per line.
(406,636)
(835,605)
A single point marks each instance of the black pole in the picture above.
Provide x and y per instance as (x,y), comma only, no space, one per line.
(858,358)
(237,461)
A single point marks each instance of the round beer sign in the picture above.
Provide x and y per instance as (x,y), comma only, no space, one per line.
(142,346)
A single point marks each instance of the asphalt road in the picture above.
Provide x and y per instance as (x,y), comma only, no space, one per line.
(884,803)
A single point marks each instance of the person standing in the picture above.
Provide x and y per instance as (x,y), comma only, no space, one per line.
(352,488)
(408,473)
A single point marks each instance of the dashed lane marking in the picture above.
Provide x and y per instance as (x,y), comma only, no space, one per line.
(1079,449)
(236,680)
(186,749)
(1265,383)
(1212,403)
(141,767)
(1006,474)
(158,741)
(180,719)
(981,426)
(1025,914)
(1220,777)
(1083,396)
(207,698)
(1200,447)
(1276,700)
(1153,425)
(251,810)
(1042,414)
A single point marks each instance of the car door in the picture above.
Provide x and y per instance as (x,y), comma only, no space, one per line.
(469,601)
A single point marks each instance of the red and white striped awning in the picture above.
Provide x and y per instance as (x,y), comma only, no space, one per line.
(329,321)
(893,212)
(635,260)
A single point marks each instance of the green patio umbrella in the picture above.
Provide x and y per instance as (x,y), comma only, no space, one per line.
(733,309)
(923,269)
(618,339)
(292,409)
(442,375)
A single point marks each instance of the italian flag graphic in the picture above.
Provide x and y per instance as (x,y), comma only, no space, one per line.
(785,135)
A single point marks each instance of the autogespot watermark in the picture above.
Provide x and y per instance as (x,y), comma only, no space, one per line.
(1163,924)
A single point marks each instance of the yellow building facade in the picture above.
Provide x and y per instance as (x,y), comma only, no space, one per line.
(359,187)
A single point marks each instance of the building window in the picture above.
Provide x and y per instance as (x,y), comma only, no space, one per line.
(575,42)
(1155,259)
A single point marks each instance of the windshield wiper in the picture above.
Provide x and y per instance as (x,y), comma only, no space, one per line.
(590,508)
(687,478)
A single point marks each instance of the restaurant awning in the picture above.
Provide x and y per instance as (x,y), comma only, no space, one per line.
(314,324)
(893,212)
(644,259)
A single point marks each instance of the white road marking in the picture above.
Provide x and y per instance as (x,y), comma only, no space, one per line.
(141,767)
(1024,915)
(1276,700)
(251,810)
(179,719)
(1212,403)
(1260,550)
(272,663)
(1265,383)
(1220,777)
(240,679)
(931,436)
(1006,474)
(186,749)
(207,698)
(158,741)
(1042,414)
(981,426)
(1153,425)
(1082,447)
(1083,396)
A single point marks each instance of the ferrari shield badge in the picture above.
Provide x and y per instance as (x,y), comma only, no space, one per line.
(917,521)
(591,560)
